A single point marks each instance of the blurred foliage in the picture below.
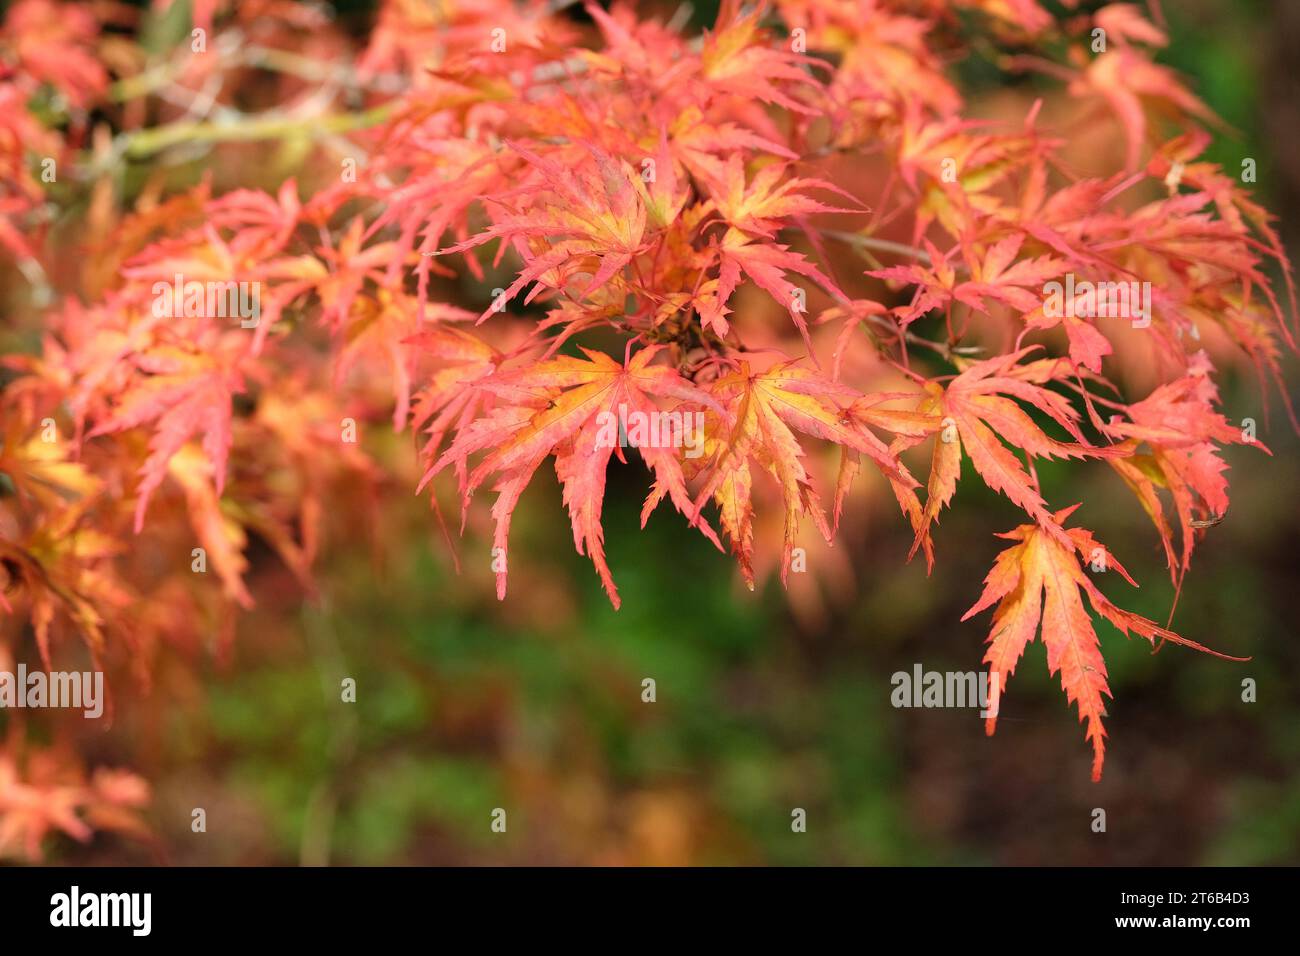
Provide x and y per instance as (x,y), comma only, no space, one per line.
(535,705)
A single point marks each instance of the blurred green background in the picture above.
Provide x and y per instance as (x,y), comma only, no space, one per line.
(535,705)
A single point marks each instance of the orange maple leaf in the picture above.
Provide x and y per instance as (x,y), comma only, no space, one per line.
(554,408)
(764,410)
(1037,584)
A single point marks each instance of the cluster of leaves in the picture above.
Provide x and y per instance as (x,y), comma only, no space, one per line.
(530,215)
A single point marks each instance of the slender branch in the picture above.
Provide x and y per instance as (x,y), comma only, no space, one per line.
(942,348)
(880,245)
(248,129)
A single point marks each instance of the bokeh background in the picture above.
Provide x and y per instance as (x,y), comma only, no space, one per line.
(766,701)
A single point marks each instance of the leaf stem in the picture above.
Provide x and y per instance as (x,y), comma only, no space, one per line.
(146,142)
(880,245)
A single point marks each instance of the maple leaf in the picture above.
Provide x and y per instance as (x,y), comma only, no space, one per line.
(593,213)
(43,470)
(1179,427)
(1174,164)
(667,192)
(1125,78)
(555,408)
(65,567)
(31,809)
(764,410)
(759,207)
(1038,585)
(46,793)
(767,264)
(186,392)
(635,46)
(929,146)
(54,43)
(262,224)
(976,413)
(377,329)
(450,399)
(884,61)
(699,142)
(223,538)
(1024,15)
(996,276)
(755,213)
(736,59)
(293,438)
(1087,346)
(113,800)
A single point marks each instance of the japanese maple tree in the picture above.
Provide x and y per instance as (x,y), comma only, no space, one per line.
(509,221)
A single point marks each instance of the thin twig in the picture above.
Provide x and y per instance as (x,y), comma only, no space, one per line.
(248,129)
(880,245)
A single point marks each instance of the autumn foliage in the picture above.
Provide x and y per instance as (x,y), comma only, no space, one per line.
(511,217)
